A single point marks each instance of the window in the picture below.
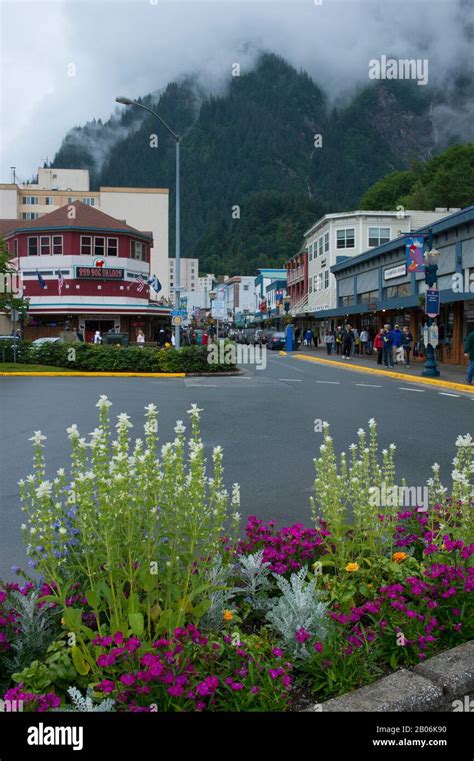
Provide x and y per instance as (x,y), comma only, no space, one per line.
(346,301)
(30,200)
(137,250)
(29,215)
(48,200)
(45,245)
(15,247)
(86,245)
(89,201)
(326,242)
(326,279)
(345,238)
(368,296)
(99,246)
(394,291)
(317,283)
(246,287)
(57,244)
(112,246)
(378,235)
(71,199)
(311,286)
(320,246)
(32,246)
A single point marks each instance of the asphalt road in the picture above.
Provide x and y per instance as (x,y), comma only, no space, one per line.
(264,420)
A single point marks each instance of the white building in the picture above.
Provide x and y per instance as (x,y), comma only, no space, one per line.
(206,282)
(349,234)
(142,208)
(188,273)
(239,296)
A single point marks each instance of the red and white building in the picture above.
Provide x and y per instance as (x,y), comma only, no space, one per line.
(80,265)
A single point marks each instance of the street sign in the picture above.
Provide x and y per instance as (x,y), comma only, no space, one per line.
(177,321)
(218,309)
(432,302)
(178,313)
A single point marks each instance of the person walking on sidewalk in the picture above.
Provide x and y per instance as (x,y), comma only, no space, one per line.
(329,341)
(407,340)
(388,347)
(364,338)
(378,344)
(347,342)
(469,352)
(338,339)
(397,345)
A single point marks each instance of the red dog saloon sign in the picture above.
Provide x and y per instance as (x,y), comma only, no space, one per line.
(99,273)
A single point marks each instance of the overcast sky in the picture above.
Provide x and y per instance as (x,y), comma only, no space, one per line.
(138,46)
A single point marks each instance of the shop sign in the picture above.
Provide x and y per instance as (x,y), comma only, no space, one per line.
(399,271)
(372,306)
(432,302)
(99,273)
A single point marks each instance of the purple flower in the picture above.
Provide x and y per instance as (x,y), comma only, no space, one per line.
(302,635)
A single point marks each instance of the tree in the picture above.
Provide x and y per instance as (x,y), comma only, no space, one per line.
(10,296)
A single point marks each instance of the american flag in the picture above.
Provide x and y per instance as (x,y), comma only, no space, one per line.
(141,283)
(60,281)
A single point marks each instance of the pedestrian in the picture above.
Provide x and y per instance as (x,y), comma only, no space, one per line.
(469,353)
(161,337)
(378,344)
(314,335)
(140,339)
(97,337)
(397,345)
(407,340)
(364,339)
(297,335)
(173,339)
(338,339)
(329,341)
(388,347)
(347,342)
(205,339)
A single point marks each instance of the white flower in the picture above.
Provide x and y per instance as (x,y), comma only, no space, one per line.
(103,402)
(393,447)
(21,482)
(328,439)
(385,452)
(217,451)
(23,526)
(372,423)
(61,472)
(63,530)
(464,441)
(236,517)
(361,432)
(151,409)
(37,438)
(322,448)
(235,494)
(45,489)
(179,427)
(166,449)
(72,432)
(352,447)
(123,421)
(194,411)
(435,467)
(325,424)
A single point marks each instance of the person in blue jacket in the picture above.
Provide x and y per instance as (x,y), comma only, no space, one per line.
(387,346)
(397,343)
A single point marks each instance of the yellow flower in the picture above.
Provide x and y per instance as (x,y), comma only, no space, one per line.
(399,557)
(370,586)
(351,567)
(228,615)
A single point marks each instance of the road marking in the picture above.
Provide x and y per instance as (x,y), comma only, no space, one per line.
(418,390)
(291,380)
(369,385)
(201,385)
(336,383)
(443,393)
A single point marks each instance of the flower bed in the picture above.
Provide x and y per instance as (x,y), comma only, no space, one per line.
(148,600)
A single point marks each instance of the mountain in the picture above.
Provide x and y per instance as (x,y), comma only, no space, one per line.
(252,175)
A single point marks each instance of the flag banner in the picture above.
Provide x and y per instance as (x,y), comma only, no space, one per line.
(140,284)
(154,283)
(414,251)
(60,281)
(41,279)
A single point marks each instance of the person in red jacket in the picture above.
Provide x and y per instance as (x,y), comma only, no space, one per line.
(378,344)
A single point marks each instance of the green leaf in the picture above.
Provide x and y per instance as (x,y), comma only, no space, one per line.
(73,618)
(137,623)
(201,609)
(394,660)
(93,598)
(81,665)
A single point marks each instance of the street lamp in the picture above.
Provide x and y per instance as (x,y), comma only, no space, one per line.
(431,278)
(129,102)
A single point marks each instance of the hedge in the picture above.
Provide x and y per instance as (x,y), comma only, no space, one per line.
(188,359)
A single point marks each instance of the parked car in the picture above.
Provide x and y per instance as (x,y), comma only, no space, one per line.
(46,340)
(246,336)
(277,340)
(10,338)
(257,337)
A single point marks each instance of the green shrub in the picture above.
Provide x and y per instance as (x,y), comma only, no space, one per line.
(86,357)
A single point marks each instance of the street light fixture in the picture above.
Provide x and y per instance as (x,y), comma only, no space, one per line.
(129,102)
(431,278)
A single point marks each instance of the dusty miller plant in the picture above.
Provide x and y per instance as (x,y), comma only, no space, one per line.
(81,704)
(254,576)
(298,607)
(36,631)
(218,576)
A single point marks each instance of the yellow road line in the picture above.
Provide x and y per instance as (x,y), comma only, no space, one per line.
(98,374)
(389,374)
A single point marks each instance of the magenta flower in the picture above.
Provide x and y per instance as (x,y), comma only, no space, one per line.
(318,646)
(106,685)
(127,679)
(302,635)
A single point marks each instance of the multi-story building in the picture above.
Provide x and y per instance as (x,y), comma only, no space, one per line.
(188,274)
(379,286)
(142,208)
(239,297)
(82,266)
(297,280)
(269,285)
(206,282)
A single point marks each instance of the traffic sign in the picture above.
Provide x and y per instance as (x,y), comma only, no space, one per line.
(177,320)
(178,313)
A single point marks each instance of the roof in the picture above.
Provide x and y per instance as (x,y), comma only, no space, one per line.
(85,218)
(6,225)
(464,216)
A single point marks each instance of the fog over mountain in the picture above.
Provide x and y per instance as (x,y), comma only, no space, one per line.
(64,62)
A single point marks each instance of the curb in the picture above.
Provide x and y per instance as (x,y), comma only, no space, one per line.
(387,374)
(122,375)
(441,684)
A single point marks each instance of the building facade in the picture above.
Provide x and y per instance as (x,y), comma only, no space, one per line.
(82,266)
(142,208)
(188,274)
(297,281)
(377,286)
(269,285)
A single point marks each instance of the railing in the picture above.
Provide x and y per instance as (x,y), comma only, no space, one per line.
(300,305)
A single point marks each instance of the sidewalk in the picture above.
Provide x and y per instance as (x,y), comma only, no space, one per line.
(454,374)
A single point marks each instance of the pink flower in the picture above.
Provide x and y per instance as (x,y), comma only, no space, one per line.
(277,652)
(106,685)
(176,690)
(237,686)
(302,635)
(318,646)
(127,679)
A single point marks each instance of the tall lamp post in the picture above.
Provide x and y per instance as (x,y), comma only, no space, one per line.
(431,278)
(129,102)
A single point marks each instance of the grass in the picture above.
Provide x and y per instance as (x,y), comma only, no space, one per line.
(11,367)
